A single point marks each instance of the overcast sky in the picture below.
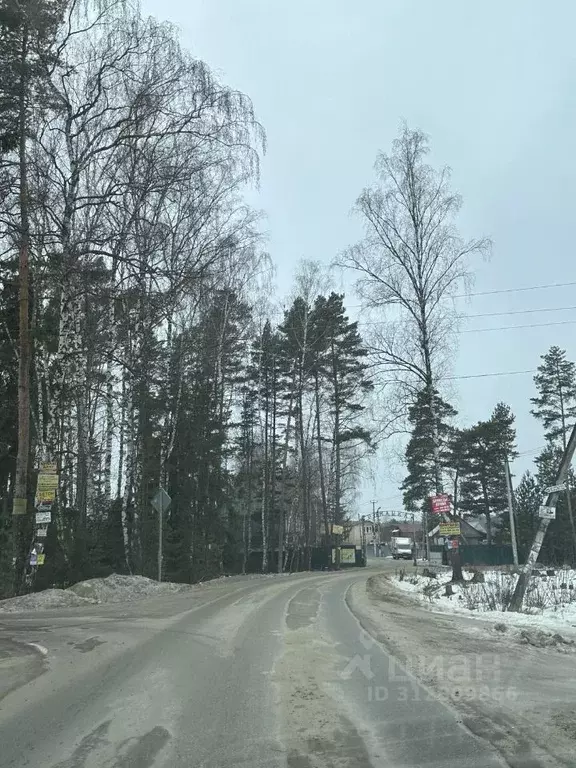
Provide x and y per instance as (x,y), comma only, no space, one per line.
(491,82)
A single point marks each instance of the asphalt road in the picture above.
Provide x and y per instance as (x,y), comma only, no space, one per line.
(254,673)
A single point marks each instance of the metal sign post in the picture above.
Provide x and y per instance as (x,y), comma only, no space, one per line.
(160,502)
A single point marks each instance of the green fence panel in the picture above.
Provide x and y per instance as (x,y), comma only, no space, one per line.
(481,554)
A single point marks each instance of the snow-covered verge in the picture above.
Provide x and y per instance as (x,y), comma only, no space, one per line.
(511,685)
(549,604)
(113,589)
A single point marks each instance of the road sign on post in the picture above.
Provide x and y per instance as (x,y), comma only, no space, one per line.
(160,502)
(555,488)
(547,513)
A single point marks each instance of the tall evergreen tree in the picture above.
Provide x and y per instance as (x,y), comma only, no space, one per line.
(527,499)
(485,448)
(340,369)
(430,442)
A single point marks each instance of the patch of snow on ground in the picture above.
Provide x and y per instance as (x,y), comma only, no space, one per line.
(550,601)
(118,589)
(40,601)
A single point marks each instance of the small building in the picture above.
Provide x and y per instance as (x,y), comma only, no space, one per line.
(471,534)
(361,532)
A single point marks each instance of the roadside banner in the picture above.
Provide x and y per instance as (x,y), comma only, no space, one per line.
(440,504)
(46,482)
(450,529)
(45,496)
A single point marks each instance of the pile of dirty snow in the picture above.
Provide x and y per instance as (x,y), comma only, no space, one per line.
(550,600)
(119,589)
(40,601)
(112,589)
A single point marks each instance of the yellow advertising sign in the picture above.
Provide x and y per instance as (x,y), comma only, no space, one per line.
(45,496)
(450,529)
(47,481)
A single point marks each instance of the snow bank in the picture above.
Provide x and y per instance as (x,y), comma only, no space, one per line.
(112,589)
(40,601)
(550,601)
(120,589)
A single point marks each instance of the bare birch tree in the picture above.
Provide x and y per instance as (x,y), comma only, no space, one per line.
(411,263)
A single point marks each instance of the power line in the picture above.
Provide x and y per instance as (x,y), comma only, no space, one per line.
(493,293)
(522,312)
(497,328)
(514,327)
(515,290)
(487,375)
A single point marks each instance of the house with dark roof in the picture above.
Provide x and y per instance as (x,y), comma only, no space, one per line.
(471,534)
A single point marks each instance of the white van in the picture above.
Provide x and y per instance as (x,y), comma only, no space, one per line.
(401,547)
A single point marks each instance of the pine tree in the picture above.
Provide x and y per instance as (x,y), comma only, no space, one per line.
(340,368)
(527,499)
(485,448)
(429,442)
(296,346)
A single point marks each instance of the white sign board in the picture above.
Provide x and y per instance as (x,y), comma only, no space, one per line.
(555,488)
(43,517)
(548,513)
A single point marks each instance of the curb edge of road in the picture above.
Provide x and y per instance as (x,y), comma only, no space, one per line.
(367,625)
(539,754)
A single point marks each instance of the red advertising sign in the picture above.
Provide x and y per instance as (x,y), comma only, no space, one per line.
(440,504)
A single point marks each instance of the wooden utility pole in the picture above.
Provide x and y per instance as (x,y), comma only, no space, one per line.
(552,498)
(511,512)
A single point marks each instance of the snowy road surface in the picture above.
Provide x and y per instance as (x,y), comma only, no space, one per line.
(254,673)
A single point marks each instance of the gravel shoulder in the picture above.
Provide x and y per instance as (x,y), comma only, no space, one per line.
(519,696)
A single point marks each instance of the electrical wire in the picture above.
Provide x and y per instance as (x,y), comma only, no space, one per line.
(522,312)
(514,327)
(521,289)
(487,375)
(515,290)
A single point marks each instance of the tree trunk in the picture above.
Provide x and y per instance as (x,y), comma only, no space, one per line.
(20,501)
(282,516)
(264,507)
(487,514)
(337,447)
(321,458)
